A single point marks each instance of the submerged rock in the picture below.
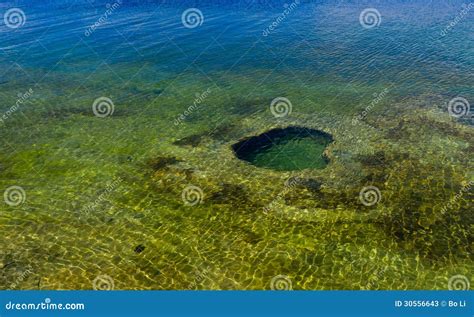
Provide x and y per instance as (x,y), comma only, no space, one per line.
(159,163)
(223,132)
(139,248)
(192,140)
(230,193)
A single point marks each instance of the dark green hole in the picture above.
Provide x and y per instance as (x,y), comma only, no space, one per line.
(288,149)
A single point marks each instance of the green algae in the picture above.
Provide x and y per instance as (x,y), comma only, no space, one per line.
(251,224)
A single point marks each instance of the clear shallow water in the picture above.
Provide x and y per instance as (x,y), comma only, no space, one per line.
(96,188)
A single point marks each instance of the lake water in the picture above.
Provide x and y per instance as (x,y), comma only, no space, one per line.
(117,126)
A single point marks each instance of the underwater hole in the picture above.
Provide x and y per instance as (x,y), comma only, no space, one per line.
(289,149)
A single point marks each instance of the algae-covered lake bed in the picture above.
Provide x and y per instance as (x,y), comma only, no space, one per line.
(236,145)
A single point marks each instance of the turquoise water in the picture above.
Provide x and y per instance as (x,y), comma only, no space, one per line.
(120,138)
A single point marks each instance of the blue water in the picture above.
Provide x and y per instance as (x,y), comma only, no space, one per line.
(97,189)
(320,38)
